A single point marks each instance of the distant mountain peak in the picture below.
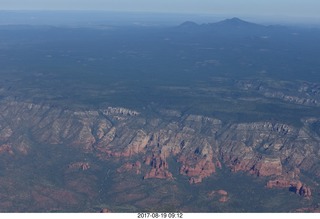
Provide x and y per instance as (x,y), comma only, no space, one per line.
(234,21)
(230,24)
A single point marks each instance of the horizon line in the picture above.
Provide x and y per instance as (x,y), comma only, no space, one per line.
(284,19)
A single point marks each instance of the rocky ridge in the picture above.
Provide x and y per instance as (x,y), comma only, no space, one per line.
(199,144)
(302,93)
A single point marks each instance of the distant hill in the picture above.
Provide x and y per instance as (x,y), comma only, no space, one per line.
(227,23)
(228,26)
(236,22)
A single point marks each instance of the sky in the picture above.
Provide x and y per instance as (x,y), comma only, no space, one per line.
(289,8)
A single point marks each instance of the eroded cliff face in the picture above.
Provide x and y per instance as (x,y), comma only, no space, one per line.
(200,145)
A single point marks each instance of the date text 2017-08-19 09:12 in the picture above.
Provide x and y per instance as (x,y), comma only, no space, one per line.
(160,215)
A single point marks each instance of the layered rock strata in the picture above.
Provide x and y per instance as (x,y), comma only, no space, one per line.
(199,144)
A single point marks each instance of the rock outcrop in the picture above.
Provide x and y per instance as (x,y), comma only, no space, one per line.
(304,191)
(6,148)
(293,185)
(112,111)
(221,194)
(159,168)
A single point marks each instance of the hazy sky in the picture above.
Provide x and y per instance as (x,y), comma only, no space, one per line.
(276,8)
